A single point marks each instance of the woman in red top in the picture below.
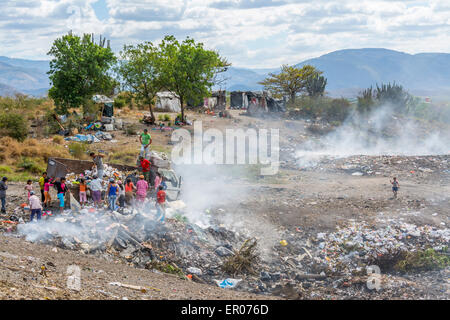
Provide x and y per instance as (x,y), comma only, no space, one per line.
(129,188)
(161,204)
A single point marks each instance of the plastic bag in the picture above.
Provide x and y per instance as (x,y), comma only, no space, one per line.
(228,283)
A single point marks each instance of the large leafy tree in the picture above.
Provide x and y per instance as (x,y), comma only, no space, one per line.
(79,69)
(188,69)
(290,81)
(140,72)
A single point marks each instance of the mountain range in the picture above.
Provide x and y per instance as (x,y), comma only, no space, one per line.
(348,72)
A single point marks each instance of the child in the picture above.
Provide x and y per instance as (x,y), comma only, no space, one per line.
(61,190)
(48,198)
(395,187)
(129,187)
(141,187)
(42,184)
(29,187)
(83,194)
(113,191)
(35,206)
(161,204)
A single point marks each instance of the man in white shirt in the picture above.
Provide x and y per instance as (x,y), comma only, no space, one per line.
(35,206)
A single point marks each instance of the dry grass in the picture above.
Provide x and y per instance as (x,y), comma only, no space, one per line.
(124,155)
(58,139)
(34,153)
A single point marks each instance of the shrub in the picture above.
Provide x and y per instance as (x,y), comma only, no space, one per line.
(160,117)
(90,109)
(322,107)
(30,165)
(131,130)
(5,169)
(423,260)
(58,139)
(338,110)
(14,125)
(119,102)
(167,117)
(50,124)
(78,149)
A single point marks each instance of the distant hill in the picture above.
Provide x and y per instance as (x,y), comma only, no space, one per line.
(24,76)
(348,72)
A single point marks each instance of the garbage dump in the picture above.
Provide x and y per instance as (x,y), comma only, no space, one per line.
(325,264)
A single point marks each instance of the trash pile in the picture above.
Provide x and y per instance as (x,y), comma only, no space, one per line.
(138,239)
(91,138)
(300,263)
(378,165)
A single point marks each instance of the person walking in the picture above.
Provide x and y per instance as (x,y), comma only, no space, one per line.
(395,187)
(35,207)
(3,188)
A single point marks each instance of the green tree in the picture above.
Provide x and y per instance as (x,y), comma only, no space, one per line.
(315,85)
(290,81)
(79,69)
(189,70)
(140,72)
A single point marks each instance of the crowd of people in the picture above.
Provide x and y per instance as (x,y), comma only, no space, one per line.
(116,194)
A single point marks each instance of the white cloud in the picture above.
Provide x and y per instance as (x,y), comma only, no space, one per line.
(263,33)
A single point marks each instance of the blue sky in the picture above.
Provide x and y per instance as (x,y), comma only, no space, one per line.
(250,33)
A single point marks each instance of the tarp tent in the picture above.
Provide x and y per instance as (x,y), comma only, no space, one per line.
(168,101)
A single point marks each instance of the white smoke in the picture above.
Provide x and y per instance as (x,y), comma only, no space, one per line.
(382,133)
(205,187)
(88,228)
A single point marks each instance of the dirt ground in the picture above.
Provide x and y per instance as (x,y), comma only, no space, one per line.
(314,200)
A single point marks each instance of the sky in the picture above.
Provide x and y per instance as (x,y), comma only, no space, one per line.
(249,33)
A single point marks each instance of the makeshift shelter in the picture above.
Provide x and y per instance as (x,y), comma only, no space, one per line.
(217,101)
(107,105)
(168,101)
(238,100)
(256,102)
